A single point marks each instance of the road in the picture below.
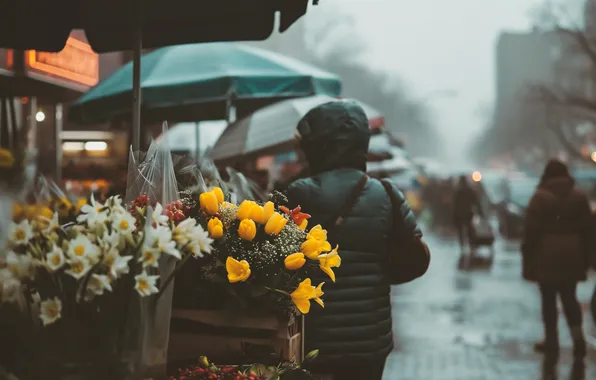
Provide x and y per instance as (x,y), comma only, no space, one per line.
(475,325)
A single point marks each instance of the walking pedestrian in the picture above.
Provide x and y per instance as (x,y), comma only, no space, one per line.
(466,204)
(556,252)
(353,333)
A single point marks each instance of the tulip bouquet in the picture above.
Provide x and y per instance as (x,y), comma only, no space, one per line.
(73,284)
(262,258)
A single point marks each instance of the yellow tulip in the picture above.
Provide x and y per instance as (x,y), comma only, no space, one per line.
(275,224)
(269,209)
(329,261)
(317,232)
(46,212)
(295,261)
(208,202)
(244,209)
(257,213)
(6,159)
(247,229)
(215,228)
(312,248)
(302,296)
(303,225)
(218,194)
(319,293)
(238,271)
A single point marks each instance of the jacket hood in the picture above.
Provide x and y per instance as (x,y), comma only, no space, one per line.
(335,135)
(561,187)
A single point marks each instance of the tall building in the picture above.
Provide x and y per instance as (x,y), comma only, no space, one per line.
(526,62)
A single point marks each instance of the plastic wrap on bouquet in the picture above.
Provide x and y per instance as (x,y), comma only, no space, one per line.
(152,174)
(242,189)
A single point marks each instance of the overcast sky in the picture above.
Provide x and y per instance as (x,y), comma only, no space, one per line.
(437,45)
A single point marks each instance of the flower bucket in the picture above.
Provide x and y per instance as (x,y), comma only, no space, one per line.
(228,337)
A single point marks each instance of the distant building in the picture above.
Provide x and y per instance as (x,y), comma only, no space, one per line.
(525,62)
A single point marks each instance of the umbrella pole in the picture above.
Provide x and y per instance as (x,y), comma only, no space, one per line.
(136,78)
(197,141)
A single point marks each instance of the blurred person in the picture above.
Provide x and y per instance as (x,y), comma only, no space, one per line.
(353,332)
(556,249)
(466,204)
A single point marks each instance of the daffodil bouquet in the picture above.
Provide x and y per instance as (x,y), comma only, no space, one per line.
(75,283)
(262,258)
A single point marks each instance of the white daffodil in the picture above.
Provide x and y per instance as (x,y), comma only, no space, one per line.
(81,246)
(183,231)
(20,233)
(124,223)
(55,259)
(109,241)
(19,265)
(52,224)
(150,257)
(162,240)
(50,311)
(117,265)
(145,284)
(157,217)
(78,267)
(10,286)
(115,203)
(98,283)
(93,213)
(201,237)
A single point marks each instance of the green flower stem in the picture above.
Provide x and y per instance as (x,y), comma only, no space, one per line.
(277,290)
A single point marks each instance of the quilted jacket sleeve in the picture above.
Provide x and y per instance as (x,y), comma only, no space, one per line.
(410,226)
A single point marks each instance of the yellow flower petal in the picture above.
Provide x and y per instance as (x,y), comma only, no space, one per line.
(269,209)
(244,209)
(247,230)
(215,228)
(319,293)
(302,296)
(275,224)
(303,225)
(317,232)
(208,203)
(219,195)
(238,271)
(310,248)
(257,213)
(294,261)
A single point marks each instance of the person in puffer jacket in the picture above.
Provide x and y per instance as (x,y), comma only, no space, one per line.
(557,250)
(353,332)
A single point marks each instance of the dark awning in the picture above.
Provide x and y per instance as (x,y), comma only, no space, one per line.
(109,24)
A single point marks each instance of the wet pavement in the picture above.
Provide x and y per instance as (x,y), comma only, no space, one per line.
(478,324)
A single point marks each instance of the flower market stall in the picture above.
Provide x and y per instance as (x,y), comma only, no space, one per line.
(137,287)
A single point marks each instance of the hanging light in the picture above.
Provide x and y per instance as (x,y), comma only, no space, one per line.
(40,116)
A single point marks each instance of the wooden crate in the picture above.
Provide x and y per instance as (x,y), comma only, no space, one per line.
(216,333)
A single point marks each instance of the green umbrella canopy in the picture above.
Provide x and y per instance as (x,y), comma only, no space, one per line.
(196,81)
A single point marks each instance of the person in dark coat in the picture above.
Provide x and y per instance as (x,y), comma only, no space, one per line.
(466,204)
(556,250)
(353,332)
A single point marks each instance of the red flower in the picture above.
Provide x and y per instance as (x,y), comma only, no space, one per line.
(296,214)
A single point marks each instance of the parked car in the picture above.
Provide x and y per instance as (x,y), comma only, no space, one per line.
(511,211)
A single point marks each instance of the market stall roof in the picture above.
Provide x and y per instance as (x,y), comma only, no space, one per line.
(110,24)
(200,81)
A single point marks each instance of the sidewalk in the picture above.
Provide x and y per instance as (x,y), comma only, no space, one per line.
(477,325)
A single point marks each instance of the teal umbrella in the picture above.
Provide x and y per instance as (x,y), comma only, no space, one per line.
(201,81)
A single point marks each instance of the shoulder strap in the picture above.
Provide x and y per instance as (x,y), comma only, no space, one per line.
(394,203)
(337,219)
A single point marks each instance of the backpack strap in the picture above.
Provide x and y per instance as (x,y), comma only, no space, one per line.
(337,219)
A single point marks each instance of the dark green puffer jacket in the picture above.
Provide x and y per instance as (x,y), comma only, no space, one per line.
(355,325)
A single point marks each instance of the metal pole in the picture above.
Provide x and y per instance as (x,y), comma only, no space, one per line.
(136,78)
(32,135)
(197,141)
(58,139)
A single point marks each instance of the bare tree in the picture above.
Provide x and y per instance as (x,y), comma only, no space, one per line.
(565,103)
